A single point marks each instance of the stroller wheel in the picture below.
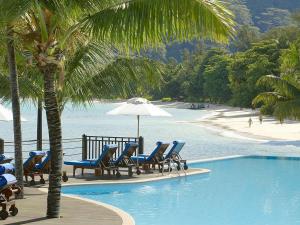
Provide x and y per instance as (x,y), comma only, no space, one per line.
(13,211)
(138,172)
(32,182)
(42,181)
(185,167)
(3,214)
(178,167)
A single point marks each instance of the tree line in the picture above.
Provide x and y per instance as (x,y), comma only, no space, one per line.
(247,73)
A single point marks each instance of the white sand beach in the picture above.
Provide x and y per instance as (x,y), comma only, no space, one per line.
(235,121)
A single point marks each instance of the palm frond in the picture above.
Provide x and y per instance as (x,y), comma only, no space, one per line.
(284,87)
(287,109)
(267,98)
(135,23)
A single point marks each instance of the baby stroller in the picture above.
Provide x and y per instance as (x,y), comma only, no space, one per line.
(8,189)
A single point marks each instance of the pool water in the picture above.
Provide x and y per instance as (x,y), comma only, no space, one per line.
(241,191)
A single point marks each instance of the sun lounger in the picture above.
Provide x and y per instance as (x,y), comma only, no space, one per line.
(7,168)
(155,158)
(173,156)
(35,158)
(124,160)
(42,168)
(104,161)
(5,159)
(8,188)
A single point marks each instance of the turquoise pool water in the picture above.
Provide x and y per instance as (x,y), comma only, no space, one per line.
(240,191)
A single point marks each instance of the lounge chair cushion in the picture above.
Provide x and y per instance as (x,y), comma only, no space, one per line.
(176,148)
(126,152)
(6,168)
(139,158)
(4,157)
(32,155)
(85,163)
(7,179)
(92,163)
(144,158)
(37,153)
(40,166)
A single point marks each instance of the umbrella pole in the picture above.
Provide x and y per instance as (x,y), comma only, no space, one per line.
(138,126)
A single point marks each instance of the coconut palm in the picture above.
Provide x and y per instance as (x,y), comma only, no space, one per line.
(14,87)
(52,30)
(284,100)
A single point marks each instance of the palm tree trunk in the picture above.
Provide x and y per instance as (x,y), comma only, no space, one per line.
(54,129)
(14,86)
(39,131)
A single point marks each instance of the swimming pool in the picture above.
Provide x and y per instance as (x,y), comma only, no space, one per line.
(241,191)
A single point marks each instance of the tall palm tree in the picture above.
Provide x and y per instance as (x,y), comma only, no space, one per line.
(51,30)
(284,100)
(14,87)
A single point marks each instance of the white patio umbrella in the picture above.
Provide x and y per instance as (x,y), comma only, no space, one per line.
(138,107)
(6,114)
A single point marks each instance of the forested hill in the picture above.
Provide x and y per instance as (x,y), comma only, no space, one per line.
(264,14)
(261,14)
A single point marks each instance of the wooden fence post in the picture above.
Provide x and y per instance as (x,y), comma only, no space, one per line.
(84,147)
(141,145)
(1,146)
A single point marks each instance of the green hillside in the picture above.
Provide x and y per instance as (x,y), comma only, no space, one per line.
(262,14)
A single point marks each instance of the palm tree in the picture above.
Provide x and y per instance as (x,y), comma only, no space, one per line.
(284,100)
(52,30)
(14,86)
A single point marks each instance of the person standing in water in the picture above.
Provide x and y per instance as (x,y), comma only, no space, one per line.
(250,122)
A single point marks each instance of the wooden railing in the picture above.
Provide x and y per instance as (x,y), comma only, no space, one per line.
(92,146)
(89,147)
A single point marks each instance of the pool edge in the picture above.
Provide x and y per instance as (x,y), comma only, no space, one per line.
(127,219)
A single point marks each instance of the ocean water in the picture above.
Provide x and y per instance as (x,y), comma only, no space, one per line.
(200,142)
(240,191)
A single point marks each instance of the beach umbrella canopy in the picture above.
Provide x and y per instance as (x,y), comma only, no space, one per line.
(6,114)
(139,107)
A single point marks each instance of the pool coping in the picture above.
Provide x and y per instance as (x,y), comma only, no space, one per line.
(127,219)
(143,180)
(218,158)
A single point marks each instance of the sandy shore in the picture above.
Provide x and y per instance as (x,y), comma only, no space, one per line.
(235,122)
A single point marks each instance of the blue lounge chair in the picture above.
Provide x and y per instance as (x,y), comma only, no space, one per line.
(155,158)
(103,162)
(124,160)
(29,166)
(42,168)
(5,159)
(7,168)
(8,188)
(173,156)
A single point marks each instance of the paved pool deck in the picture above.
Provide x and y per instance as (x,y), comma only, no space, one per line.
(32,209)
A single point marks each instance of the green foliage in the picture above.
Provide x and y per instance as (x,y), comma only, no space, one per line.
(246,36)
(216,82)
(248,67)
(166,99)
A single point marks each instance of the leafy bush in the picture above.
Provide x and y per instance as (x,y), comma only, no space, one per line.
(167,99)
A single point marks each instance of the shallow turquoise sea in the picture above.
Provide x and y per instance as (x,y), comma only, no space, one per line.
(200,142)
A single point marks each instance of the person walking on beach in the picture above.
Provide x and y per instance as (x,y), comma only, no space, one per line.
(250,122)
(260,118)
